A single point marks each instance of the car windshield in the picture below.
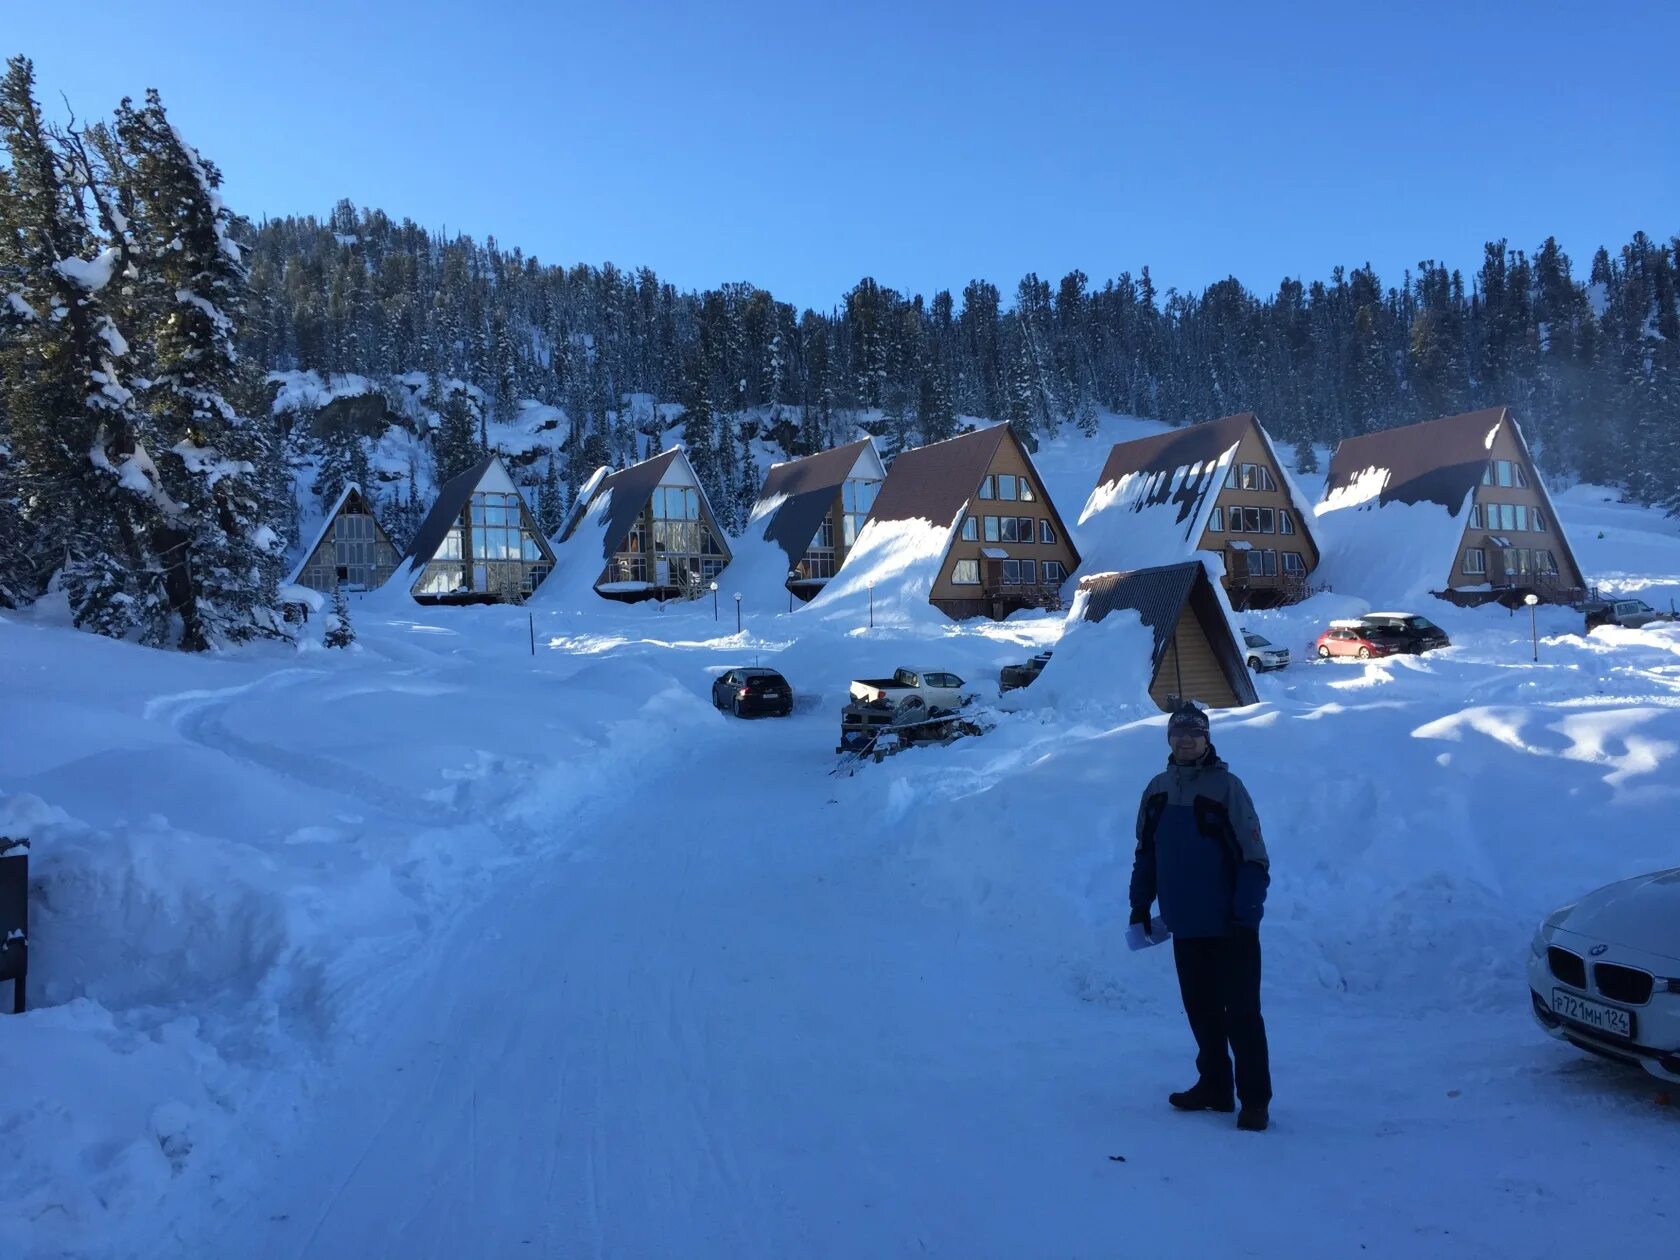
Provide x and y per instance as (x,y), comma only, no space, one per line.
(1255,641)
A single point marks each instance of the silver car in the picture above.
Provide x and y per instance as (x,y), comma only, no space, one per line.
(1604,973)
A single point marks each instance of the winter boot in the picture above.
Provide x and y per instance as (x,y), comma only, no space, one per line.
(1252,1119)
(1201,1097)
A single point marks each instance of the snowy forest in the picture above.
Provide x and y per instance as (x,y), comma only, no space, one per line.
(144,473)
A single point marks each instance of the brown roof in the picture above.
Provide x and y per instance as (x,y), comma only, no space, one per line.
(933,482)
(1438,461)
(810,485)
(936,481)
(1196,443)
(1158,596)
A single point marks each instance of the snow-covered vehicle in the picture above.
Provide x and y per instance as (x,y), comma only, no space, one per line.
(1012,676)
(1604,973)
(1262,654)
(938,690)
(1631,613)
(912,705)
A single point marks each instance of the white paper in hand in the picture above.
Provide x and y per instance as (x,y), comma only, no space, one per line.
(1158,934)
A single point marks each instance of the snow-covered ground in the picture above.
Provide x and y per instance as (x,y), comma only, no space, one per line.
(443,947)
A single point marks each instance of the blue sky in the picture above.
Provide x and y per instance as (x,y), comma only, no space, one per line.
(803,146)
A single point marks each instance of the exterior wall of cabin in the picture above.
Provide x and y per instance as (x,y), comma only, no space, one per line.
(990,593)
(1190,669)
(1247,581)
(1538,559)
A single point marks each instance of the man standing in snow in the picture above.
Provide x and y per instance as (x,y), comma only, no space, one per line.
(1199,847)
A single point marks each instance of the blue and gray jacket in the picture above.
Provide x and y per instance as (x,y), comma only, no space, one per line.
(1199,848)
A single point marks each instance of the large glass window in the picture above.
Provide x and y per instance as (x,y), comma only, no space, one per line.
(1475,516)
(991,529)
(1544,561)
(1537,520)
(1028,495)
(857,497)
(1010,527)
(966,573)
(1475,560)
(1053,572)
(1522,517)
(1216,523)
(1046,534)
(1006,486)
(988,488)
(1293,564)
(970,529)
(1286,521)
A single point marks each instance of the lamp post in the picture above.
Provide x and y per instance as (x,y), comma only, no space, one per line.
(872,604)
(737,612)
(793,575)
(1531,599)
(714,601)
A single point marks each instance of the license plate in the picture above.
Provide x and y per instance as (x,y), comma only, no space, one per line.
(1595,1015)
(772,695)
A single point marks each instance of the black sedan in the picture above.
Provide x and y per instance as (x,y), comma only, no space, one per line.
(752,692)
(1405,632)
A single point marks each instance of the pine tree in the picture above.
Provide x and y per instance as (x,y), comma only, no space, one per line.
(1306,458)
(458,441)
(92,500)
(339,633)
(551,500)
(192,284)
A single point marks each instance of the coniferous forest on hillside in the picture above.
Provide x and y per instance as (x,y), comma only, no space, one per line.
(143,473)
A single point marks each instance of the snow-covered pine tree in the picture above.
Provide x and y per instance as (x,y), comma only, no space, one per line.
(93,506)
(192,286)
(339,633)
(746,486)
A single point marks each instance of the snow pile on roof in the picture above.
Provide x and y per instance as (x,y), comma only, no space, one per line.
(1149,519)
(1100,670)
(570,586)
(1399,552)
(902,561)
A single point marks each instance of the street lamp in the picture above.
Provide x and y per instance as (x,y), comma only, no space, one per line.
(737,612)
(1531,599)
(871,603)
(714,601)
(793,576)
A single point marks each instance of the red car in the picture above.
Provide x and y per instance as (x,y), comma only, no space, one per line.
(1351,638)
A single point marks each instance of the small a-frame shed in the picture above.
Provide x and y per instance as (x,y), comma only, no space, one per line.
(1196,656)
(351,550)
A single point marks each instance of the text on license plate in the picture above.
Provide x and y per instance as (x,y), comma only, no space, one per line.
(1610,1019)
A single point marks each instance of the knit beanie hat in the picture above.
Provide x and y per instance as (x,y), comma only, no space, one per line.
(1187,719)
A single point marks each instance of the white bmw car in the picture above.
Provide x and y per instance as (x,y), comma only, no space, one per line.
(1604,973)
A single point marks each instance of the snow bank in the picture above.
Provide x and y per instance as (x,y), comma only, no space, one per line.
(893,569)
(1149,519)
(1394,553)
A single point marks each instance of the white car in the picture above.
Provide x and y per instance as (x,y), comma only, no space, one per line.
(1604,973)
(1262,654)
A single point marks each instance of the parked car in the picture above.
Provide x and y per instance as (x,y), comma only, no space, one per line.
(752,692)
(1631,613)
(1408,631)
(1263,654)
(1604,973)
(1353,638)
(1012,676)
(940,690)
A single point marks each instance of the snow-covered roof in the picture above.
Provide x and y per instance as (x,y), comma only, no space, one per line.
(1155,495)
(799,493)
(1396,503)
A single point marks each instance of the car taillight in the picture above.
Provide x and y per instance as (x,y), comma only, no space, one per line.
(741,694)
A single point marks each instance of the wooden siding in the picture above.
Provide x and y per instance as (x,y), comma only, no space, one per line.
(958,601)
(1252,450)
(1189,668)
(1569,578)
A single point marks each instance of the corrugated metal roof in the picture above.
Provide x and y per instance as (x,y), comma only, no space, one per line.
(933,482)
(1194,444)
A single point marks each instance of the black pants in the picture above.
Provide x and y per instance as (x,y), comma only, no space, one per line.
(1219,977)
